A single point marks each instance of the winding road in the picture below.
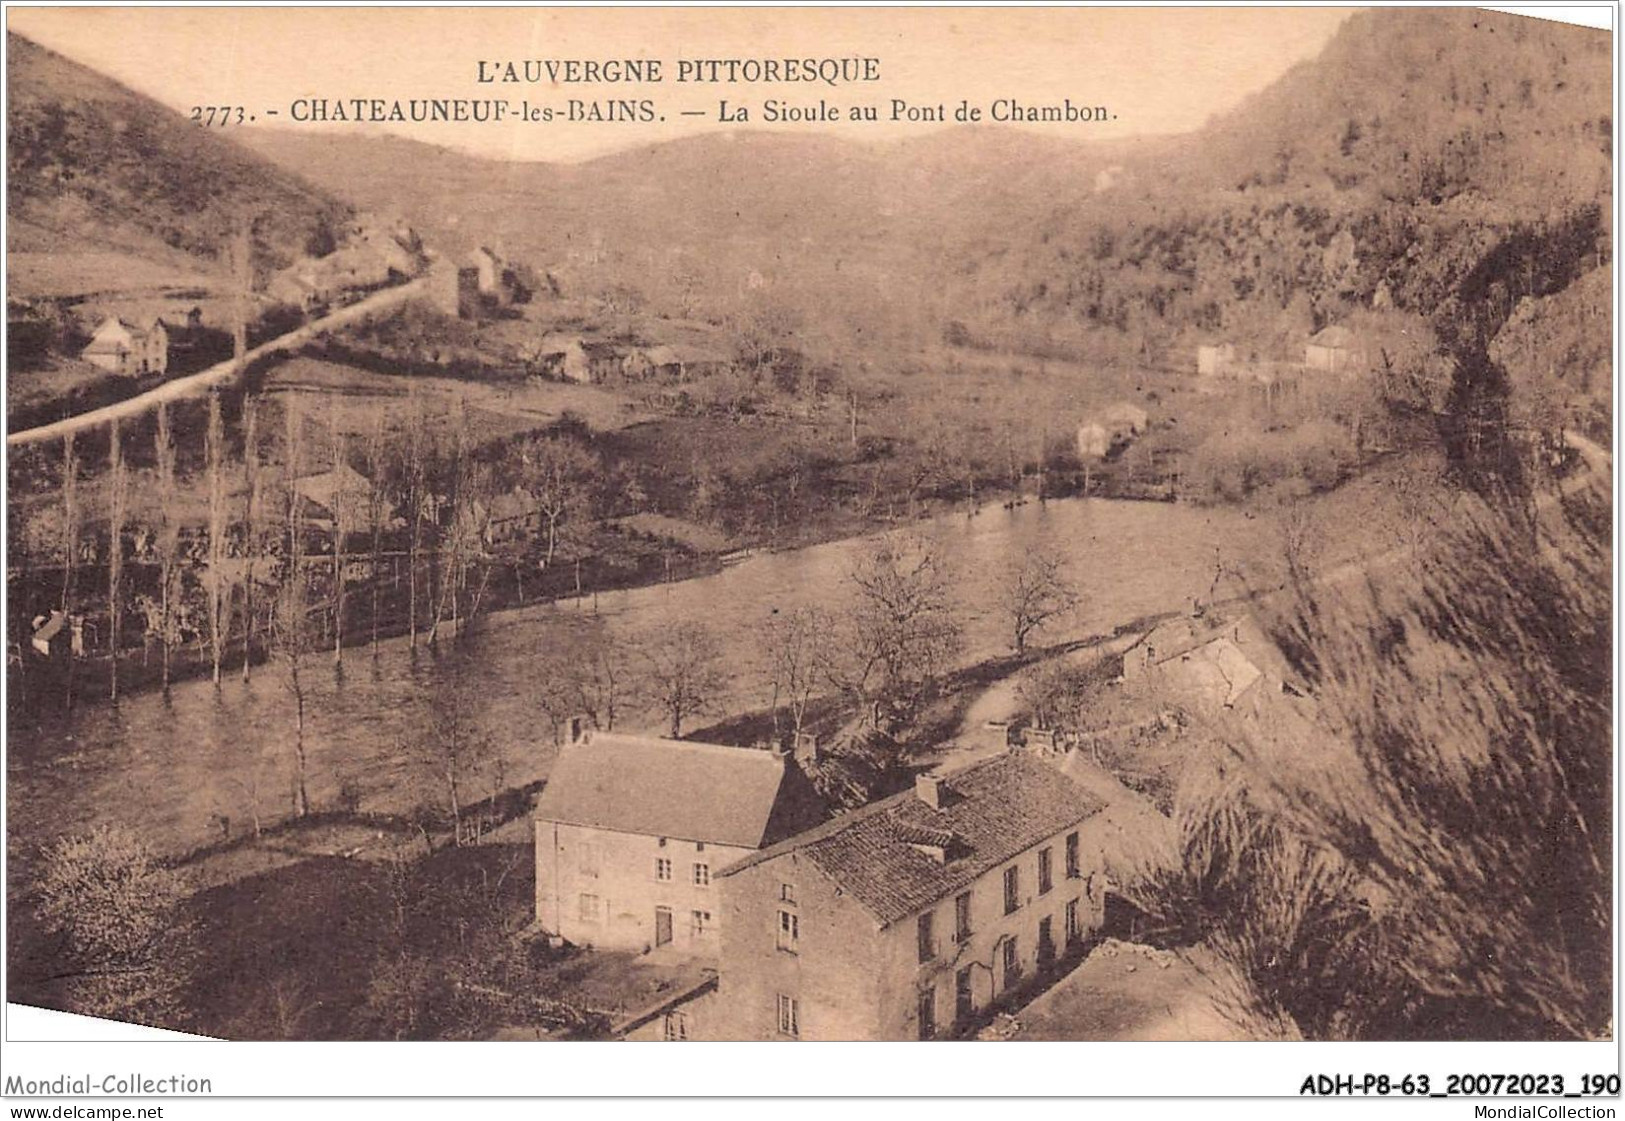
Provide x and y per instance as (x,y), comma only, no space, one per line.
(222,372)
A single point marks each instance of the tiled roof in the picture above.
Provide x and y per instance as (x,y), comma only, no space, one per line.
(994,811)
(678,788)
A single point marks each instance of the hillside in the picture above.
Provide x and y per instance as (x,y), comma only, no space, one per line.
(95,168)
(1379,175)
(1379,172)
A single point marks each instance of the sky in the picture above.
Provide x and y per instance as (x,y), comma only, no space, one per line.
(1157,71)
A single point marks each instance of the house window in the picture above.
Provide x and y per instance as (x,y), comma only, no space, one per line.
(964,994)
(699,923)
(663,870)
(1012,889)
(789,931)
(1012,963)
(676,1027)
(661,841)
(1046,870)
(587,860)
(699,846)
(789,1016)
(787,893)
(1072,871)
(962,918)
(928,1013)
(1046,942)
(1074,930)
(927,937)
(589,908)
(702,875)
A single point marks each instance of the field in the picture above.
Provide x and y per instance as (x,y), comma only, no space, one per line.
(494,411)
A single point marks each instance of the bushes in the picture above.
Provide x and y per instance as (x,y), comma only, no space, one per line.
(1431,856)
(1230,466)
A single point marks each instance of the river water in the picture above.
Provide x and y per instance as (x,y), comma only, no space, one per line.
(173,768)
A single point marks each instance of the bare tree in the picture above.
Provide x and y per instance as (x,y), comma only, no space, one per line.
(342,501)
(558,473)
(70,546)
(219,588)
(454,749)
(797,644)
(117,496)
(684,673)
(581,676)
(377,506)
(70,519)
(291,624)
(168,538)
(251,521)
(902,624)
(409,485)
(1033,593)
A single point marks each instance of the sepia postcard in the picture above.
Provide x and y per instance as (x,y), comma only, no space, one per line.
(1088,526)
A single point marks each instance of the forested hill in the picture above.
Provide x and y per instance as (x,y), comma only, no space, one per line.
(94,165)
(1381,173)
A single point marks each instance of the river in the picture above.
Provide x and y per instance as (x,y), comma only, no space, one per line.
(173,768)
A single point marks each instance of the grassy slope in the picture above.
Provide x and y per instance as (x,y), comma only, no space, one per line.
(95,166)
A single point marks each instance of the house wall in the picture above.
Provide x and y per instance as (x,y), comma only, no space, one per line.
(619,870)
(854,980)
(1336,360)
(906,978)
(689,1016)
(833,974)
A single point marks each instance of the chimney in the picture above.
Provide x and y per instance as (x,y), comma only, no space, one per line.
(932,789)
(807,753)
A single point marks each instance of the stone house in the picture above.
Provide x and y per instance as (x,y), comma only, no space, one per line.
(564,357)
(631,831)
(120,347)
(1336,350)
(340,492)
(910,918)
(1211,665)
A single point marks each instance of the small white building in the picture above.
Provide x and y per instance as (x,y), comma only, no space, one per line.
(120,347)
(1215,359)
(1335,350)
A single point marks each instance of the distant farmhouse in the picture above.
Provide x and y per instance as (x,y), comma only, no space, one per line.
(631,831)
(372,256)
(564,357)
(477,285)
(1335,350)
(341,492)
(120,347)
(1211,666)
(1115,426)
(913,915)
(1219,365)
(672,363)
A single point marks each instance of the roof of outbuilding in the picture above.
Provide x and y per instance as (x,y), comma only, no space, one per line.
(678,788)
(1335,337)
(993,811)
